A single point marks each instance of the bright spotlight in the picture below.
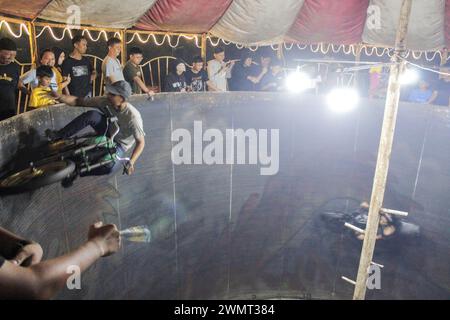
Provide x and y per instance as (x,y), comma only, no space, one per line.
(298,81)
(409,76)
(342,99)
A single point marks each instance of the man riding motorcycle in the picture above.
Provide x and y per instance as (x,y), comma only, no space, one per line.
(129,121)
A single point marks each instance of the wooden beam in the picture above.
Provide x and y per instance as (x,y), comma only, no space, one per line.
(444,56)
(204,46)
(384,152)
(13,20)
(124,55)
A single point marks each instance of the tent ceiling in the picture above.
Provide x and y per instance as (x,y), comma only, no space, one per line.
(258,21)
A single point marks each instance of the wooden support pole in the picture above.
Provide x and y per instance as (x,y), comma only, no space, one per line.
(357,60)
(280,53)
(33,43)
(204,46)
(444,56)
(384,152)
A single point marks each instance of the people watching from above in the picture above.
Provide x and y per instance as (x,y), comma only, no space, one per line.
(47,58)
(175,80)
(129,121)
(132,72)
(62,82)
(40,96)
(261,68)
(242,78)
(275,79)
(219,71)
(375,74)
(442,88)
(79,68)
(9,78)
(197,78)
(422,93)
(24,275)
(111,66)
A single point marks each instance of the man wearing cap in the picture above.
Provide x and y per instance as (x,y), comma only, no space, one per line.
(129,121)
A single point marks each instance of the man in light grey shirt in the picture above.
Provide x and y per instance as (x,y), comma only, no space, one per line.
(129,120)
(111,66)
(219,71)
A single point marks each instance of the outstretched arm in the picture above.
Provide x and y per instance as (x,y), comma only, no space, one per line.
(44,280)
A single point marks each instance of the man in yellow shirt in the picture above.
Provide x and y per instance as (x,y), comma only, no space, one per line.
(40,95)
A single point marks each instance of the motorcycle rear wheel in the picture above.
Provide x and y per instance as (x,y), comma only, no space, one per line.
(36,177)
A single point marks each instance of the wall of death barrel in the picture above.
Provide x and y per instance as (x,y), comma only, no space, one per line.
(226,231)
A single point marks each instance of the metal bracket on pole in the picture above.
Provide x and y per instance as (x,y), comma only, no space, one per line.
(394,212)
(349,280)
(377,264)
(350,226)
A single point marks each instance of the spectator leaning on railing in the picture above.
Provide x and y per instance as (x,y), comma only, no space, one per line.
(132,72)
(219,70)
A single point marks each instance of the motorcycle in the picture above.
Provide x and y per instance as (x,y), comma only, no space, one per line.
(64,158)
(335,218)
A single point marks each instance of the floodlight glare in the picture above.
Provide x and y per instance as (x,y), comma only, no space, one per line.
(342,99)
(409,76)
(298,81)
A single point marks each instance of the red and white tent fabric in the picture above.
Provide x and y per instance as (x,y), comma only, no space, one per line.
(259,22)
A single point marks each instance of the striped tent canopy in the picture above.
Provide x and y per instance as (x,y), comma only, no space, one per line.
(256,22)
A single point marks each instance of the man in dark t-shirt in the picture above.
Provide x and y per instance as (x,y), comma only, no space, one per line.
(273,80)
(80,69)
(175,81)
(2,261)
(197,78)
(9,78)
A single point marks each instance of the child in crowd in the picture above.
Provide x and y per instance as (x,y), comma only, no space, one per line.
(40,96)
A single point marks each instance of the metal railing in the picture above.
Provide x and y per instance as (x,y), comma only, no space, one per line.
(158,72)
(22,100)
(96,61)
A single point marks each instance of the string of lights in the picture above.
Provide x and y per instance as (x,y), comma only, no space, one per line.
(286,47)
(21,29)
(166,37)
(425,68)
